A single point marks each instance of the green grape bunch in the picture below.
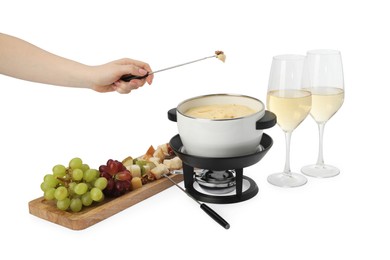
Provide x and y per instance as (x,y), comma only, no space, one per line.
(73,187)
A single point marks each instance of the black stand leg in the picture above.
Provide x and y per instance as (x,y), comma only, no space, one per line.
(239,177)
(188,172)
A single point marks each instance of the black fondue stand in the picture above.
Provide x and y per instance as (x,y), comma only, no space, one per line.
(190,162)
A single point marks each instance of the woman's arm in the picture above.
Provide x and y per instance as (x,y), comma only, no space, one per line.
(23,60)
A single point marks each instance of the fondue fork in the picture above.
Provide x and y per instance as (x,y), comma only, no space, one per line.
(218,54)
(214,215)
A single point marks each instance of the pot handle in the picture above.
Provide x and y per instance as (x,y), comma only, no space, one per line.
(267,121)
(172,115)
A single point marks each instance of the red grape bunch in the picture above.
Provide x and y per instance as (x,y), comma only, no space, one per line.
(118,178)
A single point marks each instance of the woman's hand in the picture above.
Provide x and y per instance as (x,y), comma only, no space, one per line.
(106,77)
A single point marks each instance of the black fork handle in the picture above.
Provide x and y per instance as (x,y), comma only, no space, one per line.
(129,77)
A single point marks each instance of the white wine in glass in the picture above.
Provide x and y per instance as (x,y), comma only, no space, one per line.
(291,104)
(323,77)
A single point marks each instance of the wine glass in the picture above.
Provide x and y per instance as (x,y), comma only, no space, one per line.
(323,77)
(291,104)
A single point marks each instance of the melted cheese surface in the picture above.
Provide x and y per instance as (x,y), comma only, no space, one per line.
(220,111)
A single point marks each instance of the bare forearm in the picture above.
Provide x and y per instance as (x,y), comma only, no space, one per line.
(23,60)
(20,59)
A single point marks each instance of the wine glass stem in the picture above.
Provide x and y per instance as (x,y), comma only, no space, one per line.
(287,169)
(320,160)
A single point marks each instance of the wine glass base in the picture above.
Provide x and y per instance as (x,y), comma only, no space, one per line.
(287,180)
(320,171)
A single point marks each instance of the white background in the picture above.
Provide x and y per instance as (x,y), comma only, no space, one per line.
(345,217)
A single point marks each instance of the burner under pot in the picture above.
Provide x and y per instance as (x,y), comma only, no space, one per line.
(216,182)
(219,185)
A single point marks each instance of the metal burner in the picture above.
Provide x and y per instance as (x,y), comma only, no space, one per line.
(219,166)
(216,182)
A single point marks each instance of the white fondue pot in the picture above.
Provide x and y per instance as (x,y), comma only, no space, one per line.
(220,138)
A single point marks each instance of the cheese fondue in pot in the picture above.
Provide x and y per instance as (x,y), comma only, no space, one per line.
(220,111)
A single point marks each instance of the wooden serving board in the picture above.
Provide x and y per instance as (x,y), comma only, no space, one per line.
(91,215)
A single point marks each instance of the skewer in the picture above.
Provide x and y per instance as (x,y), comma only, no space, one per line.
(214,215)
(218,54)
